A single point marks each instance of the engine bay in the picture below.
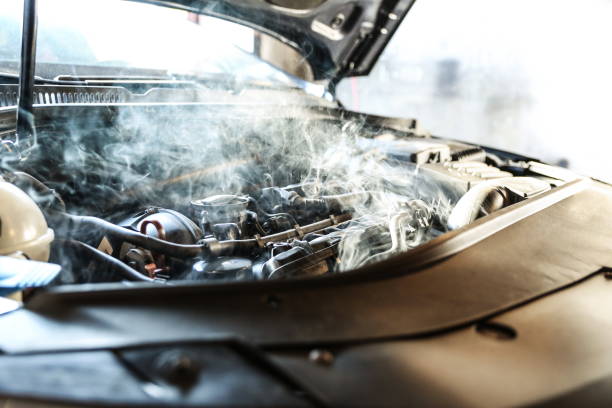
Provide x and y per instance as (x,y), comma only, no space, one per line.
(249,199)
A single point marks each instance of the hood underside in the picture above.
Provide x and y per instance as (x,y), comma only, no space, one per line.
(338,38)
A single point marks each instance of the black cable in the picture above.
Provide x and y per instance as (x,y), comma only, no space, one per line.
(86,226)
(106,260)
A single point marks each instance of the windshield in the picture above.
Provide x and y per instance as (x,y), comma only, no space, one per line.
(116,37)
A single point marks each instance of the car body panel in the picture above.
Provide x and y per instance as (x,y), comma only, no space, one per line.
(385,300)
(555,353)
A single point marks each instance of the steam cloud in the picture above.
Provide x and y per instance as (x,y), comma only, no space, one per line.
(169,156)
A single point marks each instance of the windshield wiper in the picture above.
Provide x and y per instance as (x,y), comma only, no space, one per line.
(112,78)
(7,78)
(122,79)
(135,83)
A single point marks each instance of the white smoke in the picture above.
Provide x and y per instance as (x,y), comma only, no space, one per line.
(169,155)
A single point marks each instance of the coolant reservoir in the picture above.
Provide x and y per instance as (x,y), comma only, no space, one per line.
(23,228)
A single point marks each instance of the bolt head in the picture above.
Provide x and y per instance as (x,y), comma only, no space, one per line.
(321,357)
(178,368)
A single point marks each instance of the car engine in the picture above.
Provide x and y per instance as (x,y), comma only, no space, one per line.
(362,196)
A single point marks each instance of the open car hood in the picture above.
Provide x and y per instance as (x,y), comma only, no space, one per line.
(338,38)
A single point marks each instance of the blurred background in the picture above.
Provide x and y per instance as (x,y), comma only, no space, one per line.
(534,77)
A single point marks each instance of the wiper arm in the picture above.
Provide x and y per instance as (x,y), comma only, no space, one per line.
(135,84)
(7,78)
(125,80)
(112,78)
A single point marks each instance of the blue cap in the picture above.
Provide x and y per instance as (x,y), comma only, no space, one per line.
(17,274)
